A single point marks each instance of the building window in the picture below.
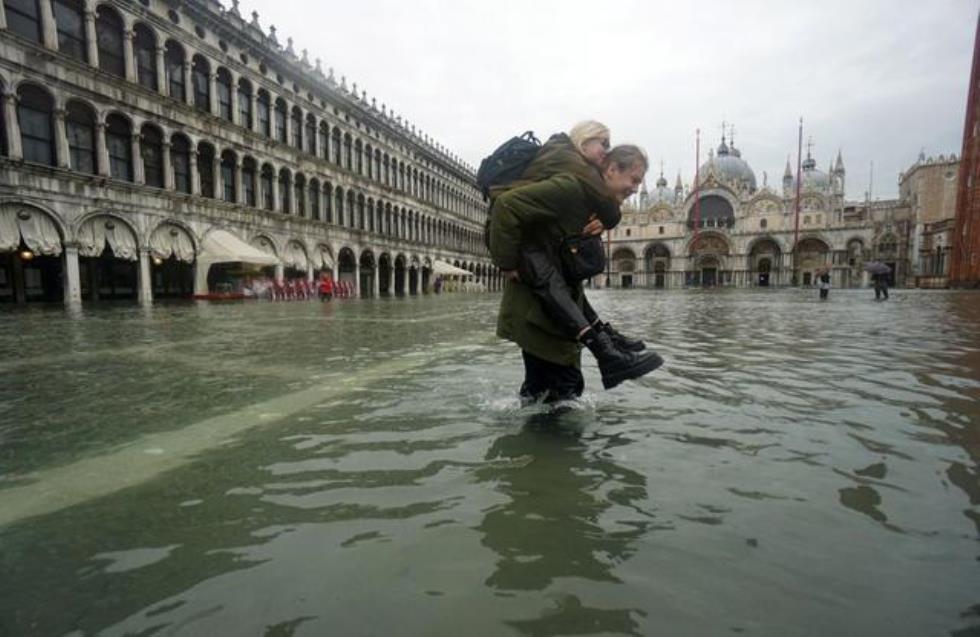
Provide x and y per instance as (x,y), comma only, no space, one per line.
(69,15)
(144,48)
(284,191)
(327,204)
(248,181)
(174,58)
(245,103)
(336,145)
(322,140)
(201,82)
(628,232)
(228,176)
(267,180)
(151,150)
(118,141)
(180,157)
(80,128)
(763,223)
(223,86)
(311,135)
(205,169)
(23,18)
(262,113)
(280,120)
(34,113)
(314,200)
(299,197)
(109,35)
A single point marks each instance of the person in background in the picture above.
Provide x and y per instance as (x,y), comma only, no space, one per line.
(824,286)
(325,287)
(881,286)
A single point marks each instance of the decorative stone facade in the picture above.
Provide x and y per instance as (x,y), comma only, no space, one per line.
(928,187)
(133,130)
(738,234)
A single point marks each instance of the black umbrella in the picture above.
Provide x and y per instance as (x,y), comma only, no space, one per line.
(877,267)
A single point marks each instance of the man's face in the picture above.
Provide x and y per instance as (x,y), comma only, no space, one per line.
(624,183)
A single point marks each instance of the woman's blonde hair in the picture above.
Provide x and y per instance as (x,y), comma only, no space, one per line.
(584,131)
(625,156)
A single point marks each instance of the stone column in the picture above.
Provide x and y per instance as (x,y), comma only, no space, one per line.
(276,203)
(313,140)
(129,58)
(213,94)
(138,176)
(376,282)
(195,175)
(14,148)
(188,84)
(254,124)
(357,278)
(60,138)
(101,150)
(49,30)
(168,169)
(239,186)
(162,84)
(289,126)
(91,40)
(259,189)
(73,285)
(219,182)
(235,108)
(280,272)
(146,283)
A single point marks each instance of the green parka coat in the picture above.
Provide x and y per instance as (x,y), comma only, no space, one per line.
(542,213)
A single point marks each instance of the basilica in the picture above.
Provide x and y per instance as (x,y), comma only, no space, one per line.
(730,230)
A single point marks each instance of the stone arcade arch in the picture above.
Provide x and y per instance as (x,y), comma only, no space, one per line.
(624,265)
(401,265)
(30,255)
(347,267)
(385,272)
(413,276)
(173,253)
(108,258)
(367,273)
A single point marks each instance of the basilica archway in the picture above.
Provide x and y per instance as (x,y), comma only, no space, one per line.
(172,271)
(764,259)
(709,261)
(810,255)
(657,261)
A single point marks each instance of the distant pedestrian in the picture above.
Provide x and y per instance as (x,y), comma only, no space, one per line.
(824,286)
(326,287)
(437,286)
(881,286)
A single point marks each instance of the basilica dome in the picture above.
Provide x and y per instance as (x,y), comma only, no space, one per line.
(813,177)
(662,194)
(728,166)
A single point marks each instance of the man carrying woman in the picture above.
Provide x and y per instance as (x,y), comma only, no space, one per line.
(563,194)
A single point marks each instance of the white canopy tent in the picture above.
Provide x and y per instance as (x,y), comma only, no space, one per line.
(448,269)
(221,246)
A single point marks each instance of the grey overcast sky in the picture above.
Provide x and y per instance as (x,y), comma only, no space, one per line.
(879,79)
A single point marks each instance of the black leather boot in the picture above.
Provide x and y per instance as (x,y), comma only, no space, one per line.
(622,341)
(616,365)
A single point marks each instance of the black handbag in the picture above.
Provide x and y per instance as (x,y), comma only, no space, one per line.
(582,257)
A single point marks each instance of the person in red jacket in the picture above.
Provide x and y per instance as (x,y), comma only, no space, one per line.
(326,287)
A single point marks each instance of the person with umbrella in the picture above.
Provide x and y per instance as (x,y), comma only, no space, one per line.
(879,278)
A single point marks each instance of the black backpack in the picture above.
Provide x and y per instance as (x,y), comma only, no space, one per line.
(507,163)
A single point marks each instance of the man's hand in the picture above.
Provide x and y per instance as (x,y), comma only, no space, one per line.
(593,227)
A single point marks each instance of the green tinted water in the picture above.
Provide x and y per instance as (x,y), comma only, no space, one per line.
(363,467)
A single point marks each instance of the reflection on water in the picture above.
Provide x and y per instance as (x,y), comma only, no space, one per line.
(363,467)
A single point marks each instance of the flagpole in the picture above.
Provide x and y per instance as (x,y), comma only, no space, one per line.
(799,181)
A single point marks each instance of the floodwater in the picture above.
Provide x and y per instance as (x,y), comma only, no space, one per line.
(364,468)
